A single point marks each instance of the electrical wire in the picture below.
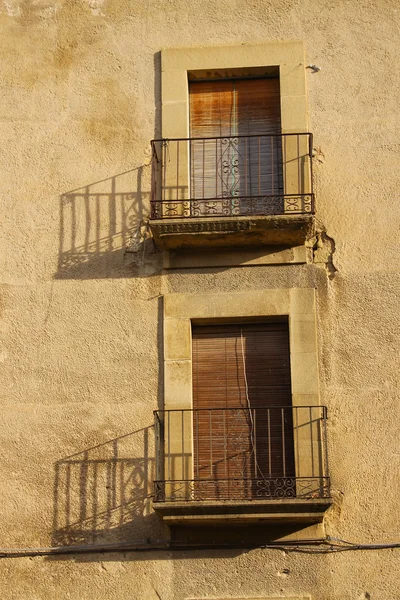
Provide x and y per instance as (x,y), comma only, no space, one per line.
(252,429)
(312,546)
(246,387)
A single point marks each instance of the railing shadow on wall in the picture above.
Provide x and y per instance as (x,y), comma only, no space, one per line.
(100,222)
(102,495)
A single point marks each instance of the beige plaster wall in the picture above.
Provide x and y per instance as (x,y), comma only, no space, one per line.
(81,320)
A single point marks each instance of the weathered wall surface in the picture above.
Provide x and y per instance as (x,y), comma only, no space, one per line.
(81,343)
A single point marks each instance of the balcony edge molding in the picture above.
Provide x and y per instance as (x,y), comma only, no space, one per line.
(288,510)
(185,233)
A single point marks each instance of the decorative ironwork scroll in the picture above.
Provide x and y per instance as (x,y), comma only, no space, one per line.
(232,176)
(241,489)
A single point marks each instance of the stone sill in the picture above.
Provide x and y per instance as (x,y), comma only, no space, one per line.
(225,232)
(278,510)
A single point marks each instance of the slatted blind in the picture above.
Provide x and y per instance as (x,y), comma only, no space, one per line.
(250,166)
(253,439)
(234,107)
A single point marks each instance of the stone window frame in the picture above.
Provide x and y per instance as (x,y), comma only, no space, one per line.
(288,58)
(180,310)
(177,63)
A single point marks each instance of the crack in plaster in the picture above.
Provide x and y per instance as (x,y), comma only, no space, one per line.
(324,247)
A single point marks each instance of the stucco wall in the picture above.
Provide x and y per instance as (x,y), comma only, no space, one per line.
(81,326)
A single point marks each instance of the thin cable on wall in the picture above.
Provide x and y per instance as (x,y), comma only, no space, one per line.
(328,545)
(252,429)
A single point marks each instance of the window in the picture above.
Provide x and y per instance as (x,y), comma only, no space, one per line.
(234,133)
(242,413)
(241,420)
(236,149)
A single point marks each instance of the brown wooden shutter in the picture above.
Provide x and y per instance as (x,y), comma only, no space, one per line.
(234,107)
(212,112)
(253,439)
(250,166)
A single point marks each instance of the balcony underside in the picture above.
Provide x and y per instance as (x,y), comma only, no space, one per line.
(217,512)
(224,232)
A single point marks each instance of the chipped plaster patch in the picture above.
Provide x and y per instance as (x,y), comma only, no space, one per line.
(22,8)
(12,8)
(95,7)
(323,250)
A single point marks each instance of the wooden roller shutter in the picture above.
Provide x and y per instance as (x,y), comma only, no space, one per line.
(234,166)
(244,369)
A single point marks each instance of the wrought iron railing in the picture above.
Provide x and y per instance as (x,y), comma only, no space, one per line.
(232,176)
(241,453)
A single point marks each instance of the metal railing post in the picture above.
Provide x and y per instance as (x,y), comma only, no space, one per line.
(236,450)
(260,175)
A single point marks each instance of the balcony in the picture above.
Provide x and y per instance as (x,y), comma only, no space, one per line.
(241,465)
(232,191)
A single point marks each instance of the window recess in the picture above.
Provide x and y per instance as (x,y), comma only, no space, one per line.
(242,415)
(236,161)
(234,166)
(238,152)
(242,440)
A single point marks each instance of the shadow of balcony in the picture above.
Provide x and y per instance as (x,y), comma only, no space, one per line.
(103,494)
(100,222)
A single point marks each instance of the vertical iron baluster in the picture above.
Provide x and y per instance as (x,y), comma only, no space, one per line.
(169,444)
(97,201)
(326,472)
(300,189)
(164,167)
(225,457)
(285,188)
(283,441)
(216,168)
(157,178)
(193,191)
(245,164)
(177,170)
(319,451)
(160,468)
(204,153)
(310,151)
(183,445)
(153,180)
(197,443)
(272,164)
(296,439)
(311,442)
(211,444)
(254,435)
(269,443)
(73,222)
